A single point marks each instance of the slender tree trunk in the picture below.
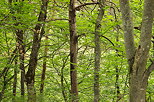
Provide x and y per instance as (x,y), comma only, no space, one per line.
(73,51)
(137,60)
(63,79)
(44,66)
(14,82)
(21,49)
(117,85)
(98,51)
(38,33)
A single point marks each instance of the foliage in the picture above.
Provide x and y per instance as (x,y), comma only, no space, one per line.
(113,57)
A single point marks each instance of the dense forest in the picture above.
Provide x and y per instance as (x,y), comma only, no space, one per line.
(76,51)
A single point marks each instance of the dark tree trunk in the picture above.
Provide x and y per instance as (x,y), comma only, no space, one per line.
(15,82)
(73,51)
(44,66)
(63,79)
(117,84)
(38,33)
(21,49)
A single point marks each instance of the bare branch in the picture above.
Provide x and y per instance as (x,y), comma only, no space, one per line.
(150,69)
(85,4)
(56,19)
(108,40)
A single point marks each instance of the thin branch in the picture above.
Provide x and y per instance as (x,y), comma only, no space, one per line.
(113,6)
(108,40)
(111,3)
(150,69)
(85,4)
(56,19)
(10,78)
(11,59)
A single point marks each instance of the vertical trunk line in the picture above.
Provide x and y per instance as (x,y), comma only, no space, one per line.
(63,79)
(44,66)
(15,82)
(73,51)
(38,33)
(97,51)
(117,85)
(21,49)
(128,32)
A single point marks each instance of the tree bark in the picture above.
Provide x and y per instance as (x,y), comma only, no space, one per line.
(73,51)
(44,66)
(137,60)
(38,33)
(97,51)
(128,31)
(21,49)
(15,82)
(63,88)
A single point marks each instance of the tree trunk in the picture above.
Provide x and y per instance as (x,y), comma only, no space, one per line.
(117,84)
(137,60)
(21,49)
(73,51)
(97,51)
(15,82)
(38,33)
(63,88)
(44,66)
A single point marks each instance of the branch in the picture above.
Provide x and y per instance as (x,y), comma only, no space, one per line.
(81,35)
(108,39)
(10,79)
(85,4)
(11,59)
(56,19)
(150,69)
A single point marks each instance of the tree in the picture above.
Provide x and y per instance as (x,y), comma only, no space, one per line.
(15,82)
(98,50)
(137,58)
(38,33)
(44,66)
(80,44)
(73,51)
(20,40)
